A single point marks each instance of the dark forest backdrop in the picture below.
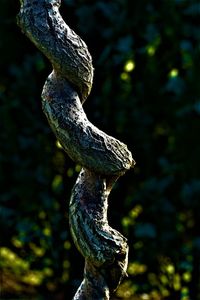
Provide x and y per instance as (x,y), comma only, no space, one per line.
(147,94)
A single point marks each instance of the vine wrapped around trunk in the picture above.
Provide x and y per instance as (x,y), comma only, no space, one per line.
(102,157)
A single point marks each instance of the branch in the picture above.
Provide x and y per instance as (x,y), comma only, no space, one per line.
(102,157)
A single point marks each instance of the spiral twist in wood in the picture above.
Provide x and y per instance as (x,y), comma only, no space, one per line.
(102,157)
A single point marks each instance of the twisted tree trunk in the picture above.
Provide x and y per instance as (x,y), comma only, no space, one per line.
(102,157)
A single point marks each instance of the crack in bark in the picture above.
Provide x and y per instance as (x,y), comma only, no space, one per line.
(102,157)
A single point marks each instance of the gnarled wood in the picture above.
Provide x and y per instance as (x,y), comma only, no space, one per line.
(102,157)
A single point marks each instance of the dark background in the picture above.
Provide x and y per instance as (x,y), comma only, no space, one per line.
(146,93)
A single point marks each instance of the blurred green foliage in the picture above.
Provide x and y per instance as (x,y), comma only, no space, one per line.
(146,93)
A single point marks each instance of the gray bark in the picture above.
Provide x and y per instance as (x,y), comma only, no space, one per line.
(102,157)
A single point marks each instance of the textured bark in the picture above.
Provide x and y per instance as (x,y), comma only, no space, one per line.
(102,157)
